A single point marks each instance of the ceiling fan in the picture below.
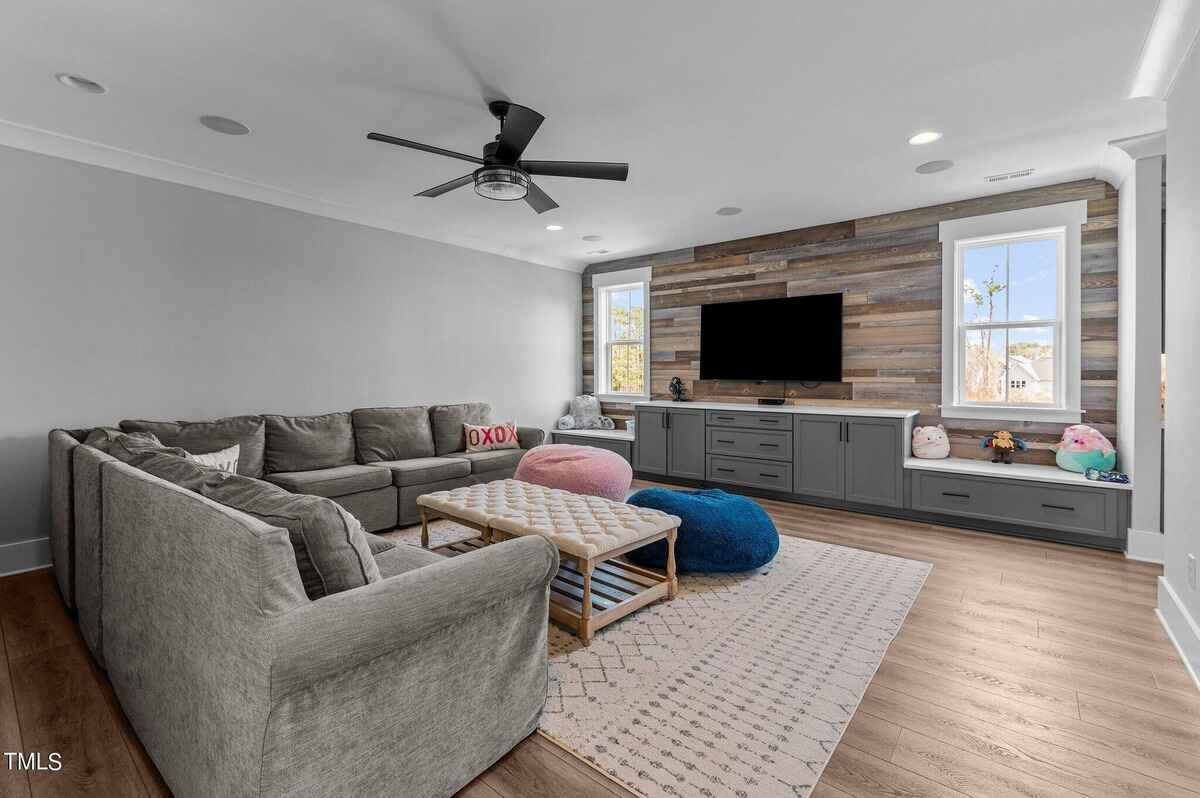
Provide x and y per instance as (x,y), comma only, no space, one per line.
(502,175)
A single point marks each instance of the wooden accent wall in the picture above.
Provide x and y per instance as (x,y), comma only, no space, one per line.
(889,268)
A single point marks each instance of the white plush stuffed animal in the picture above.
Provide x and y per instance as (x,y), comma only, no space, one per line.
(585,414)
(930,443)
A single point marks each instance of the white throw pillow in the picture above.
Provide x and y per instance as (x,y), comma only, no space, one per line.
(225,460)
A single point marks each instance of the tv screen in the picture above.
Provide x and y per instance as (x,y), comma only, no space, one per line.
(794,339)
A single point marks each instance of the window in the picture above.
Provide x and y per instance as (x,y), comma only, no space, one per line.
(1011,329)
(622,302)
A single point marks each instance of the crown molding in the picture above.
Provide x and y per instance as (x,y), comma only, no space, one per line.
(71,148)
(1117,163)
(1169,41)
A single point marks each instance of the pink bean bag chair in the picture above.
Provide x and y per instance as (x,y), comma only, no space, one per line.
(578,469)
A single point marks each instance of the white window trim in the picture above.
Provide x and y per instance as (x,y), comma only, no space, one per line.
(1066,220)
(608,280)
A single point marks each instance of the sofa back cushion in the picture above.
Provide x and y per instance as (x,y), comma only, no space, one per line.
(448,420)
(392,433)
(332,552)
(203,437)
(177,470)
(306,443)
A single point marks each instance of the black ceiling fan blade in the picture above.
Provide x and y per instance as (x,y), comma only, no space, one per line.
(449,185)
(520,123)
(594,170)
(539,200)
(416,145)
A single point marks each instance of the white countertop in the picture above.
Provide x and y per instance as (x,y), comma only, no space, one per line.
(1026,471)
(812,410)
(611,434)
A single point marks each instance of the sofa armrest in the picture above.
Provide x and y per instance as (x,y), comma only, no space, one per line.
(341,632)
(529,437)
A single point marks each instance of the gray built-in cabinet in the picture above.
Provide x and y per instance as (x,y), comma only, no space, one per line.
(844,459)
(670,442)
(857,461)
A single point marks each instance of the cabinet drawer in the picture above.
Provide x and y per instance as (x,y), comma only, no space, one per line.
(623,448)
(752,473)
(765,444)
(735,418)
(1064,508)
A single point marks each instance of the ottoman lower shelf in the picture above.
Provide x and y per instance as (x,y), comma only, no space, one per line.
(617,588)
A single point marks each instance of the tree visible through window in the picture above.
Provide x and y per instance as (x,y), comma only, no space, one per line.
(1008,323)
(624,339)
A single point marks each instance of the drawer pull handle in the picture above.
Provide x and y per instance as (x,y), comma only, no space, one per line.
(726,470)
(770,445)
(721,441)
(957,495)
(724,418)
(772,476)
(768,421)
(1059,507)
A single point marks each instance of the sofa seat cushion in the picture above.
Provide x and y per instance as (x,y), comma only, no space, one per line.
(306,443)
(423,470)
(392,433)
(331,482)
(448,420)
(495,460)
(203,437)
(402,559)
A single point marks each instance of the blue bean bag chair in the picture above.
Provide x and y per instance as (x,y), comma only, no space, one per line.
(721,532)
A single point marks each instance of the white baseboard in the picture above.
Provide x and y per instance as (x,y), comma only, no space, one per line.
(24,555)
(1180,627)
(1145,546)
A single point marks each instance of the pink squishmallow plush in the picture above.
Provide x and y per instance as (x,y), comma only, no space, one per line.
(1083,447)
(930,443)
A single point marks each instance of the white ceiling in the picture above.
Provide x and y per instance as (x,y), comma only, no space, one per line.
(796,111)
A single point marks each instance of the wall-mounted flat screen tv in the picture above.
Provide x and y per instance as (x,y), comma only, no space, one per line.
(791,339)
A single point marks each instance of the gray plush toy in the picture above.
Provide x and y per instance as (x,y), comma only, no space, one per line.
(585,414)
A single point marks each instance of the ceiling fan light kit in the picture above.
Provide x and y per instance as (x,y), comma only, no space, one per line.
(503,176)
(502,183)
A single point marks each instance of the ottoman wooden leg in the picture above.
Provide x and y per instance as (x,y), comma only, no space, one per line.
(424,529)
(585,602)
(672,581)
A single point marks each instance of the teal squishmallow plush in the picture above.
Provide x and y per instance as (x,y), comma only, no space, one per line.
(1083,447)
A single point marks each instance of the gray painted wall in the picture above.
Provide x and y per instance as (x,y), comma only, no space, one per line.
(124,297)
(1181,478)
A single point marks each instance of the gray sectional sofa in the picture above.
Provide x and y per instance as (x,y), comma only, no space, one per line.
(236,682)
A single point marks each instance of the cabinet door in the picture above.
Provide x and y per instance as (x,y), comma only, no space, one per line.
(818,464)
(650,441)
(874,464)
(685,443)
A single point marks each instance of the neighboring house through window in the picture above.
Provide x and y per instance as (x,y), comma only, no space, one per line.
(622,334)
(1010,310)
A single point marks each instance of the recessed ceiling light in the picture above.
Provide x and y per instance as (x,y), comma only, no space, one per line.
(79,82)
(933,167)
(223,124)
(554,228)
(592,238)
(729,210)
(924,137)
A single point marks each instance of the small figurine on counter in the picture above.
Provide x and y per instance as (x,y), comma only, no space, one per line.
(677,390)
(1003,443)
(1096,475)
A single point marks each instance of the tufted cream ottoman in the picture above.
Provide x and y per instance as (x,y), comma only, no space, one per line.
(589,531)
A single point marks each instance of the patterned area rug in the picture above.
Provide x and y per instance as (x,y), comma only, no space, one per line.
(742,686)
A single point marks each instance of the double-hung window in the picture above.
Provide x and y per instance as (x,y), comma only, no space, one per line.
(622,335)
(1011,304)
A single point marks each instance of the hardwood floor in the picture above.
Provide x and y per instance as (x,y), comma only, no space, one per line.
(1025,669)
